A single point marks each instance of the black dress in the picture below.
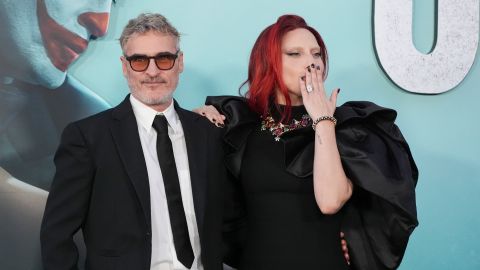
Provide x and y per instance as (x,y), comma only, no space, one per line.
(284,229)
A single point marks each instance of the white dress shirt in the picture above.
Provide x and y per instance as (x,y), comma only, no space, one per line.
(164,256)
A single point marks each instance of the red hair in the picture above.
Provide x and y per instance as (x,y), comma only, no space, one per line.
(265,67)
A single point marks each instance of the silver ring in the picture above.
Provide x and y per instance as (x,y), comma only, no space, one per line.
(309,88)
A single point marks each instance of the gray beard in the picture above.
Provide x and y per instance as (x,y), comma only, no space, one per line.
(154,101)
(151,101)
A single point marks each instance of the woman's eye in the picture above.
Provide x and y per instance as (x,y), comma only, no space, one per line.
(317,55)
(293,53)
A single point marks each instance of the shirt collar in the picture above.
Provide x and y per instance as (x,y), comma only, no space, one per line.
(145,115)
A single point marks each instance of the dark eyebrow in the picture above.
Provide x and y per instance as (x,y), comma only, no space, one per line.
(136,55)
(165,53)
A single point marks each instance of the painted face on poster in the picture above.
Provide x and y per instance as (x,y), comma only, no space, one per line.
(43,37)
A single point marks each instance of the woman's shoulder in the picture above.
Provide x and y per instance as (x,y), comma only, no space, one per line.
(240,121)
(225,99)
(364,111)
(234,108)
(359,117)
(229,105)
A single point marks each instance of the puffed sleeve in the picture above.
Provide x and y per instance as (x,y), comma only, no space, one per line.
(381,214)
(239,124)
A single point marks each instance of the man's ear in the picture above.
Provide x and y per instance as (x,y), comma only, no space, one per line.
(180,62)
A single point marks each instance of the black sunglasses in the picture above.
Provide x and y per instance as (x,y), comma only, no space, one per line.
(163,60)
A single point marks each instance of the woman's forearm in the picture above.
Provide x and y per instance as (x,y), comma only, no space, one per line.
(331,186)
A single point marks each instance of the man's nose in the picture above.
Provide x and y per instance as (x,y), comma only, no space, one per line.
(95,23)
(152,69)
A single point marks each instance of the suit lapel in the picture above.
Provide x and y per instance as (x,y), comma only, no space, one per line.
(125,135)
(127,140)
(195,139)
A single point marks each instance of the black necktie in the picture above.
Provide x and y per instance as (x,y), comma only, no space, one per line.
(178,221)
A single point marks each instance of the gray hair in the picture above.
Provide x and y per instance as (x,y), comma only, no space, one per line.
(147,22)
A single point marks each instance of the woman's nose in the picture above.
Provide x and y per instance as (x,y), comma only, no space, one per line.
(95,23)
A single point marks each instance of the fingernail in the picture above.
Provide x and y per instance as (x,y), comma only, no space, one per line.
(338,91)
(318,67)
(221,125)
(214,120)
(312,65)
(302,78)
(308,68)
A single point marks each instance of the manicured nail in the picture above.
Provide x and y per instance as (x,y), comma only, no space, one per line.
(214,120)
(318,67)
(221,125)
(338,91)
(312,65)
(309,70)
(302,78)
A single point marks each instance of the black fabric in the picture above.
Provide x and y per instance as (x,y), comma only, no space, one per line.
(285,227)
(178,221)
(381,214)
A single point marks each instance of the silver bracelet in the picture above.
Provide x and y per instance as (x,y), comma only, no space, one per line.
(321,118)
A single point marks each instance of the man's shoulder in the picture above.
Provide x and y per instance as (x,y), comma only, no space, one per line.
(99,119)
(199,122)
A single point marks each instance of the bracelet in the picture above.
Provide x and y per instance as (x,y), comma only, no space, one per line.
(321,118)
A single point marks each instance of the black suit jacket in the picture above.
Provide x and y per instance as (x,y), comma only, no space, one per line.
(101,186)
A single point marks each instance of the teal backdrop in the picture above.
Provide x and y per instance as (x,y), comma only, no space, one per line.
(443,130)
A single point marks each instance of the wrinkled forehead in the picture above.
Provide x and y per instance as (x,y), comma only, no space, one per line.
(62,10)
(151,43)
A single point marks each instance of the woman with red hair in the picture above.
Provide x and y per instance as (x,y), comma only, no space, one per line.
(306,169)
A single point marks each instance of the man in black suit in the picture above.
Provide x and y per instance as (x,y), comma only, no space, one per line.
(141,180)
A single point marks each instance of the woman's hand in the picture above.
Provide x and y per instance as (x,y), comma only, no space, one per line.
(211,114)
(331,185)
(314,97)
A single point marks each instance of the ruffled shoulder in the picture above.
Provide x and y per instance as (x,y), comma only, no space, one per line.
(368,138)
(240,122)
